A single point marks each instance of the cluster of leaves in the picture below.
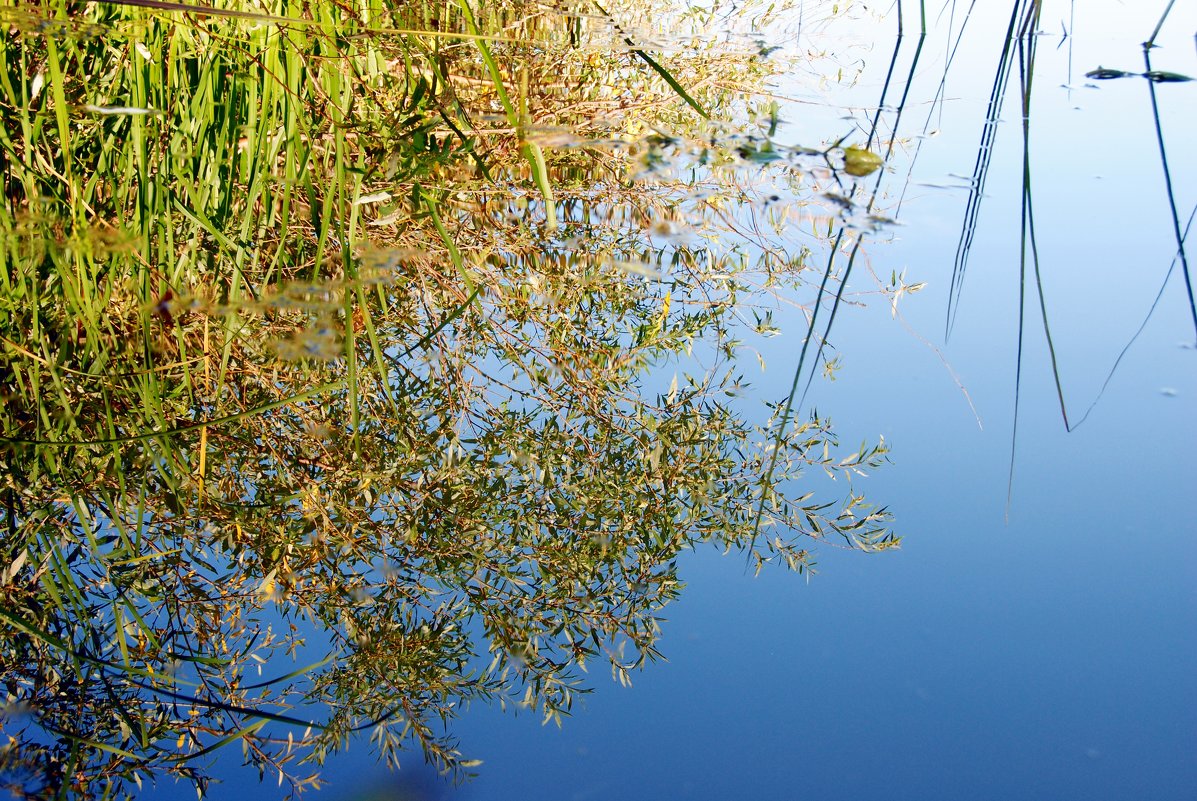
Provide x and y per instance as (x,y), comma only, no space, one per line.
(322,414)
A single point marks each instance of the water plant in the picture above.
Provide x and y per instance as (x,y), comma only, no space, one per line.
(331,386)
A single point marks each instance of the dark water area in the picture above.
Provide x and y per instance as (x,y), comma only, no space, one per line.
(1032,636)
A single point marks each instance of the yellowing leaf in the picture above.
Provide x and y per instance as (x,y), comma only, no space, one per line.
(267,588)
(861,162)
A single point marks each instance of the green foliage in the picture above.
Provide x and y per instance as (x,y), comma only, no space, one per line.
(316,424)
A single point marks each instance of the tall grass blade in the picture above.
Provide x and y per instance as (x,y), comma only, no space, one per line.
(431,205)
(301,22)
(531,151)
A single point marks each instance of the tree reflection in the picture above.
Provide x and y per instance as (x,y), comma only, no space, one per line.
(318,423)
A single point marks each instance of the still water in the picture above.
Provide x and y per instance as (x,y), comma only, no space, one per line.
(1033,635)
(1047,657)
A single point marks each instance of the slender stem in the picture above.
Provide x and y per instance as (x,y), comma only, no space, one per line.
(1150,43)
(968,228)
(1159,135)
(1025,42)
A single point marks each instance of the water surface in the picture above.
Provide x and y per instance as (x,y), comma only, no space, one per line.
(1031,636)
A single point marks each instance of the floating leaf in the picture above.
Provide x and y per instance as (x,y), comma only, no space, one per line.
(860,162)
(1159,76)
(1103,74)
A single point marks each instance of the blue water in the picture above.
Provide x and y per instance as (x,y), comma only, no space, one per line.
(1048,657)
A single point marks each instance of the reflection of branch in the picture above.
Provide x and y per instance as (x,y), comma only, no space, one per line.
(533,513)
(215,421)
(901,318)
(127,673)
(650,61)
(787,411)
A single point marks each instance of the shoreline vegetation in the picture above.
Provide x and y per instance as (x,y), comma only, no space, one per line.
(333,341)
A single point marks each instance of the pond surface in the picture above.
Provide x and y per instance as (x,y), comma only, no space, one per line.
(418,451)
